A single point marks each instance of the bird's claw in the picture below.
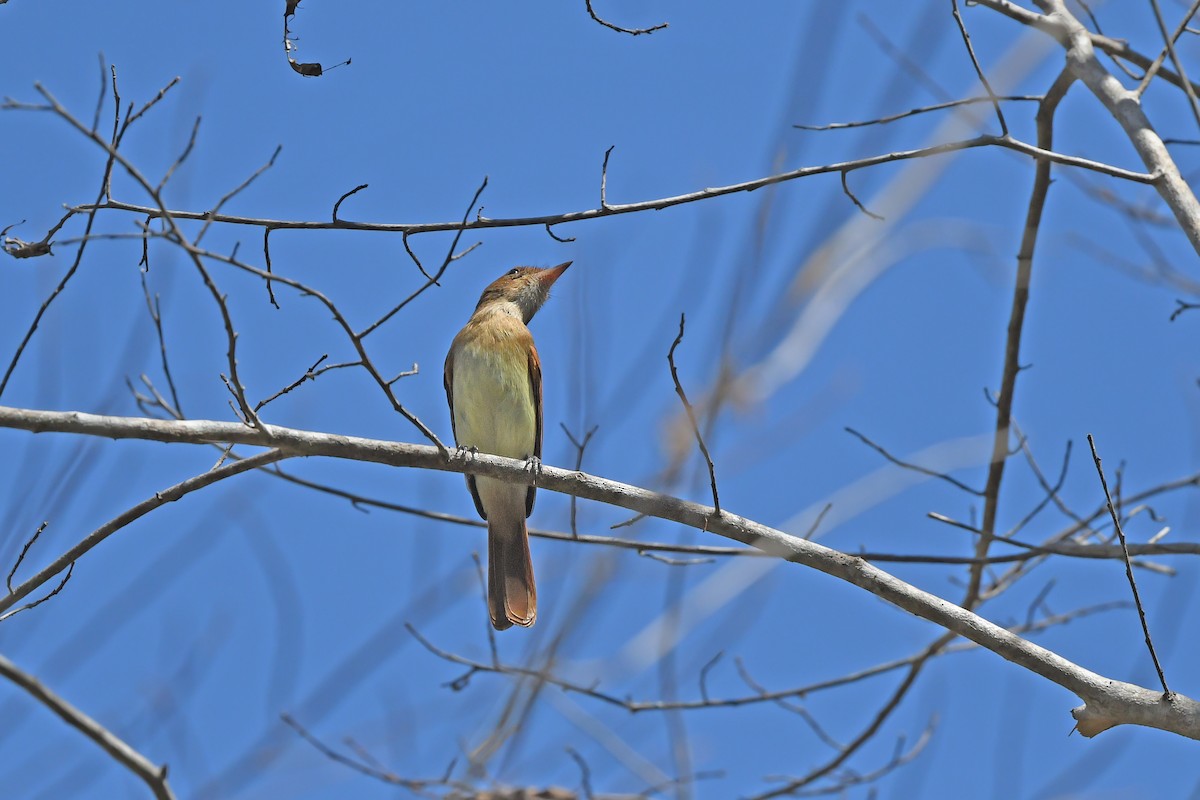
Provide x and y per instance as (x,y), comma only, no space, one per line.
(534,465)
(466,452)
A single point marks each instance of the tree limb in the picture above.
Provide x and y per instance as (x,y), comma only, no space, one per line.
(155,777)
(1107,702)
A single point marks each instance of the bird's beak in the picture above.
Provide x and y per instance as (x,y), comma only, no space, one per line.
(547,277)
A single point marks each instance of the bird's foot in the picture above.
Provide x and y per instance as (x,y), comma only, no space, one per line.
(534,465)
(466,453)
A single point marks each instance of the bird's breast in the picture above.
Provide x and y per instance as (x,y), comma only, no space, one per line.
(493,400)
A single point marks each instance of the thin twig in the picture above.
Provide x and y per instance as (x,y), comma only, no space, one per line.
(152,102)
(787,703)
(585,774)
(359,766)
(1041,477)
(236,191)
(24,552)
(675,562)
(1052,492)
(483,588)
(420,267)
(114,156)
(914,467)
(1182,308)
(415,369)
(760,694)
(966,37)
(338,204)
(270,269)
(1039,602)
(62,584)
(851,778)
(103,93)
(902,59)
(604,206)
(868,733)
(154,307)
(631,31)
(855,200)
(579,446)
(355,340)
(311,374)
(703,678)
(187,151)
(161,498)
(1137,600)
(432,280)
(691,415)
(101,196)
(968,101)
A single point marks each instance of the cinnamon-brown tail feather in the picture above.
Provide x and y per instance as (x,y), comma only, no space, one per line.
(512,596)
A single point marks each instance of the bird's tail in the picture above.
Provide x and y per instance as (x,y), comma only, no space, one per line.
(512,596)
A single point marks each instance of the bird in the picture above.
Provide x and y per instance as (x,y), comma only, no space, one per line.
(493,380)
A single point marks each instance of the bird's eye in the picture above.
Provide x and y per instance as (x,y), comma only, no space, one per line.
(514,272)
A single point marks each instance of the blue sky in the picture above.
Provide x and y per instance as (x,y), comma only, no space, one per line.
(189,632)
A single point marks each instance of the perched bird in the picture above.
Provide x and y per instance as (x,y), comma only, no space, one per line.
(494,388)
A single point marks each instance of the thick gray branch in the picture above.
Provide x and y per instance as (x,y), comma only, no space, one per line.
(1107,702)
(1117,48)
(1124,105)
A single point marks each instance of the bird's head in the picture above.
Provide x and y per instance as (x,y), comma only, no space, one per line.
(527,288)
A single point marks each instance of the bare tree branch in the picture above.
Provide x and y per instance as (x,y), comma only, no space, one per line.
(611,209)
(1107,702)
(1016,323)
(168,495)
(1124,104)
(691,415)
(631,31)
(153,776)
(1117,48)
(1137,600)
(966,37)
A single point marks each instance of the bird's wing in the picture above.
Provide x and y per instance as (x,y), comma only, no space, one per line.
(535,388)
(448,380)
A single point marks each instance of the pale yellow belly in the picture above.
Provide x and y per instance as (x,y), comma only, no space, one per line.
(493,404)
